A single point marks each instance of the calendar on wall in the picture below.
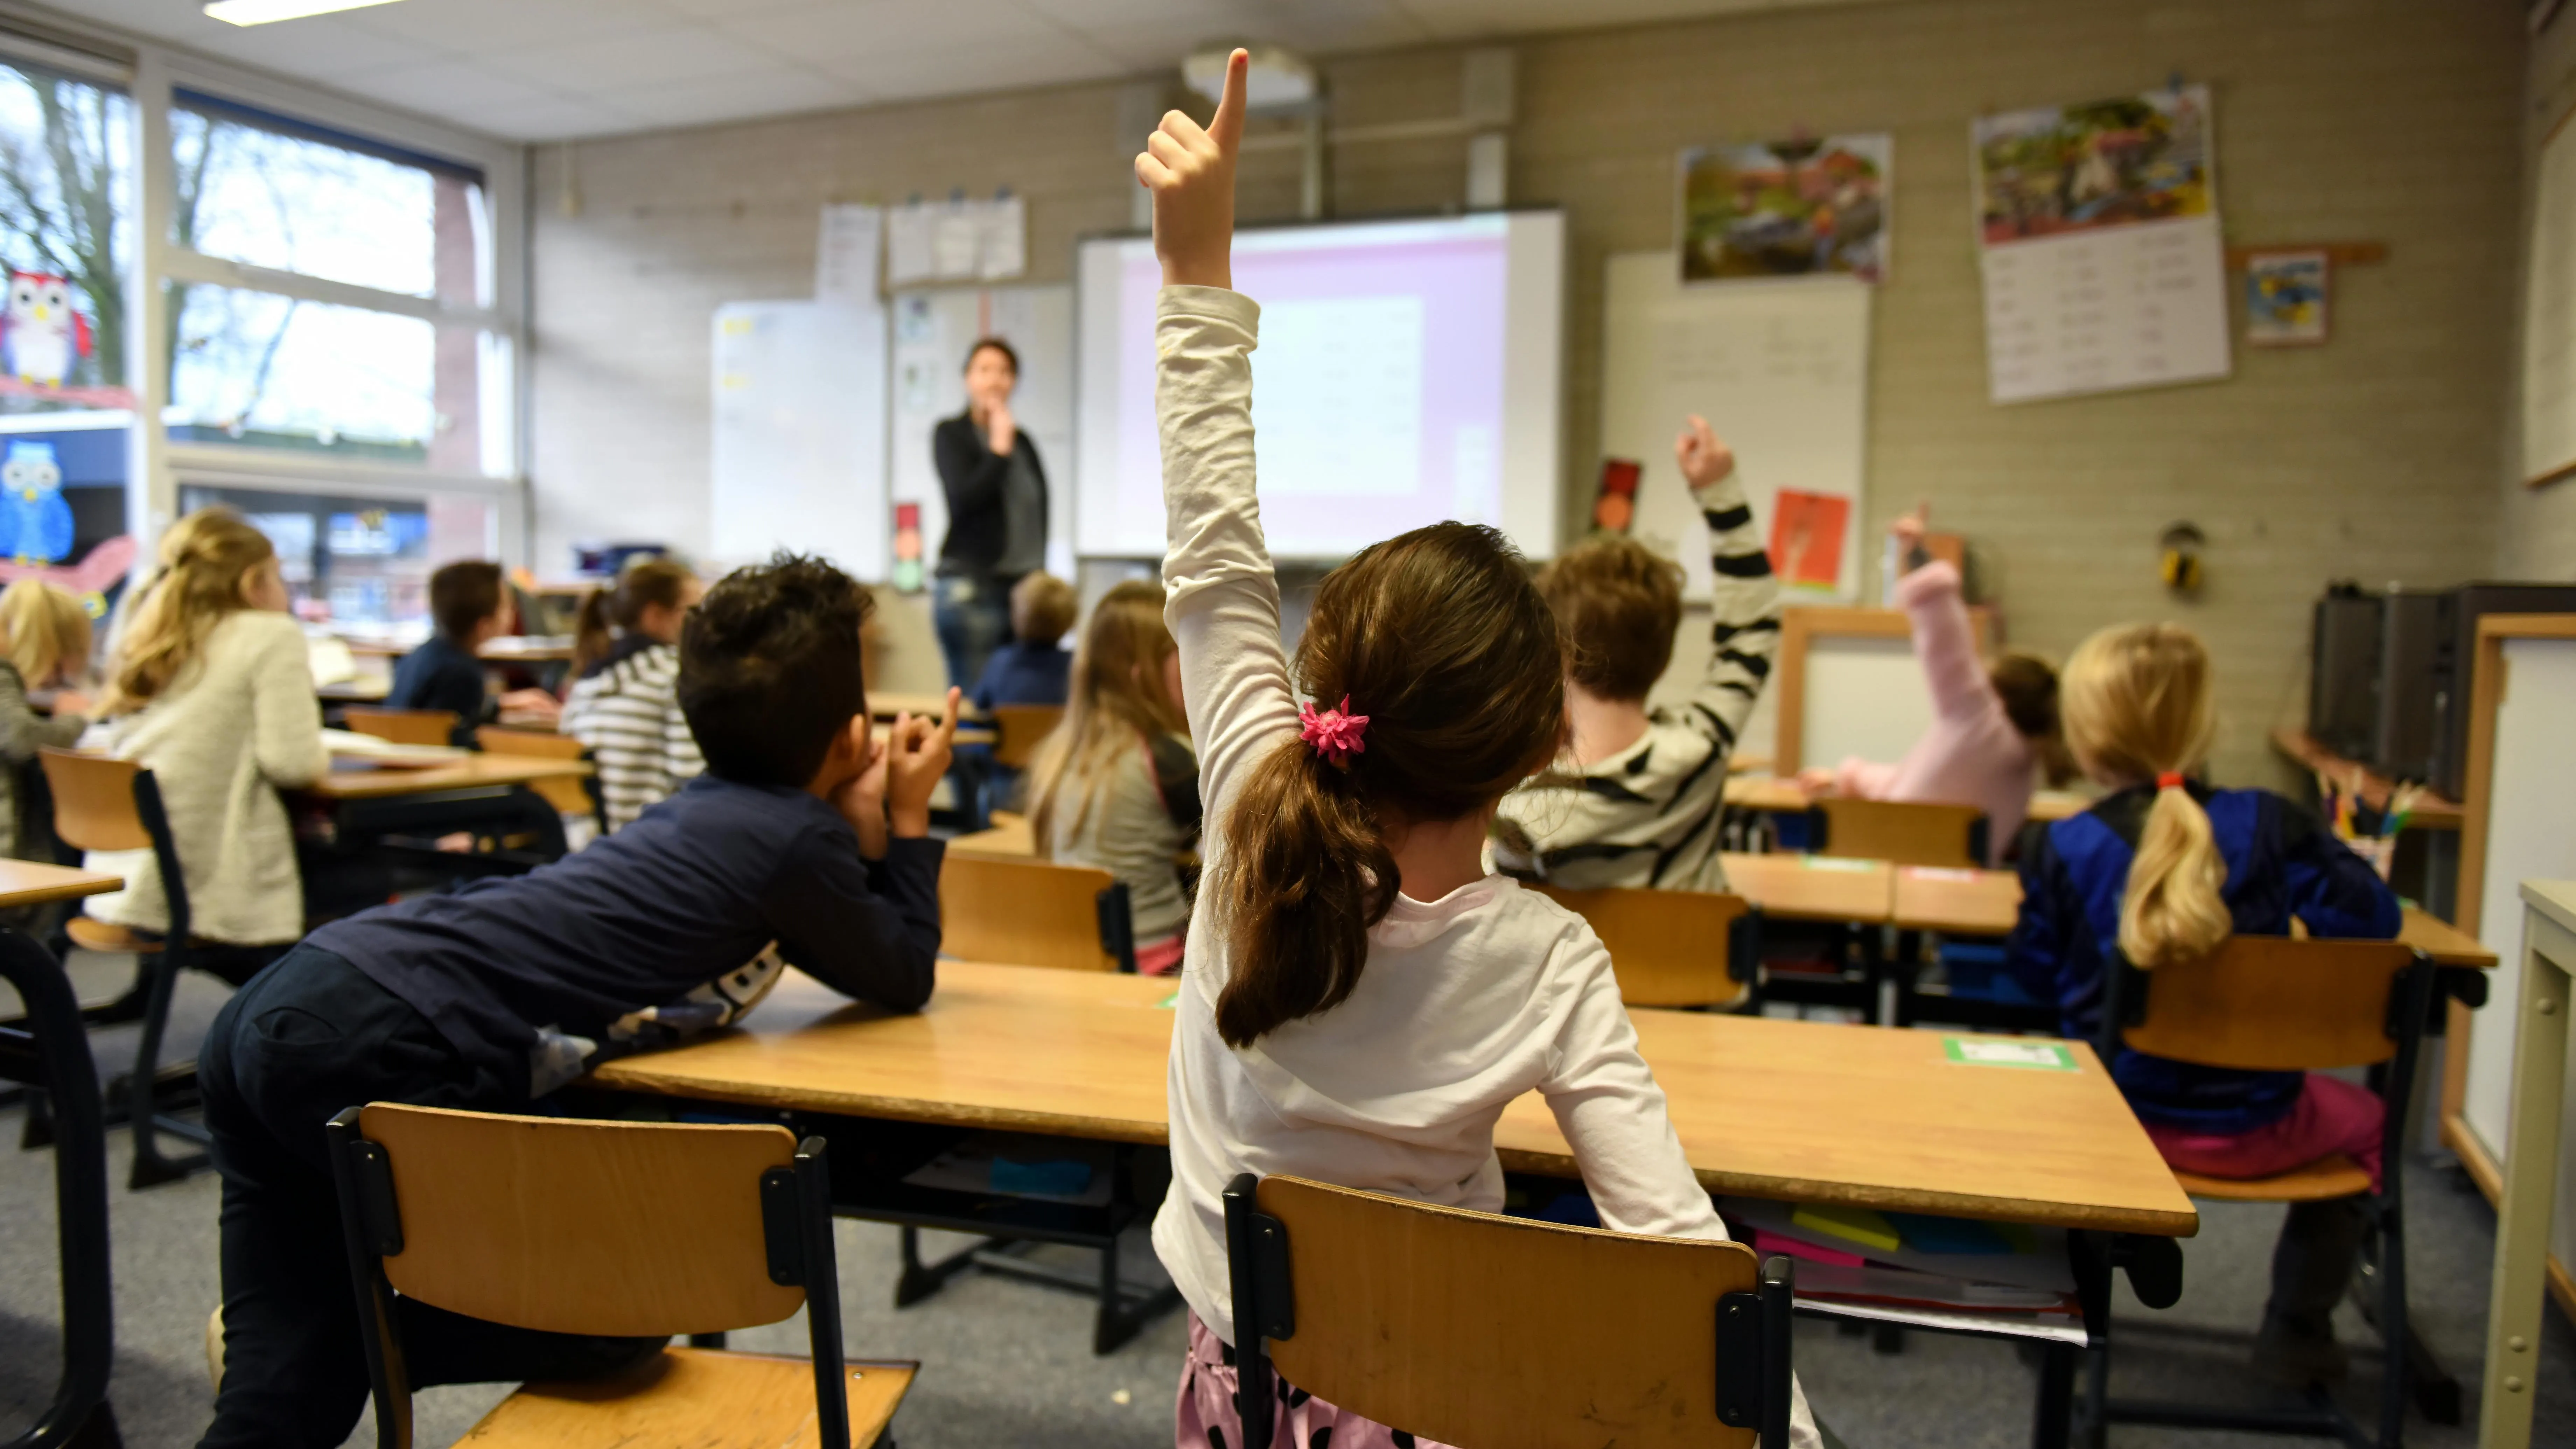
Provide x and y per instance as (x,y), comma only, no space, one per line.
(2098,235)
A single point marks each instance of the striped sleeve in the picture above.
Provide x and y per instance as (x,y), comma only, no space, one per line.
(1744,612)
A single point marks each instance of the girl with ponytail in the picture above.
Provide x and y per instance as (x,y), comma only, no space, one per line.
(2165,868)
(623,705)
(1360,998)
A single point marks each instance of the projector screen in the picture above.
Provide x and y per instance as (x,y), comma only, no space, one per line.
(1407,373)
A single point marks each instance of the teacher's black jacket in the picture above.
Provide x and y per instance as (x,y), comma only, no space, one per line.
(972,474)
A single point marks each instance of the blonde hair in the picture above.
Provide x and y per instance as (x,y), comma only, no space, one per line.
(2137,708)
(206,557)
(1116,701)
(45,632)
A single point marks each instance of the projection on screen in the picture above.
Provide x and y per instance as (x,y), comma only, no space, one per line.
(1407,373)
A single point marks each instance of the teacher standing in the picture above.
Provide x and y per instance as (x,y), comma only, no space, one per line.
(997,513)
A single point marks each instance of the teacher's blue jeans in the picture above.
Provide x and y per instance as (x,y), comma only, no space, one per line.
(972,613)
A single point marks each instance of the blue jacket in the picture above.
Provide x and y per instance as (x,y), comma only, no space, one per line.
(2281,862)
(1021,673)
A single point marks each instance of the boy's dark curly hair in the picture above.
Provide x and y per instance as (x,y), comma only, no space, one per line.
(769,668)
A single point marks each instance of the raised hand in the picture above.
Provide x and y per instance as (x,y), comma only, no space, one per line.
(1190,170)
(1001,430)
(917,752)
(1704,457)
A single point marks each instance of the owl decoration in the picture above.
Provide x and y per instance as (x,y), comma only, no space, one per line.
(35,518)
(44,338)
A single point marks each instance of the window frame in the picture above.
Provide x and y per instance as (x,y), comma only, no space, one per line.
(152,74)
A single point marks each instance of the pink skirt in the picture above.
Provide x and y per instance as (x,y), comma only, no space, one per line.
(1205,1418)
(2332,1115)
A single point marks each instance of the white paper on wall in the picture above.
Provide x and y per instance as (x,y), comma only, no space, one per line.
(845,258)
(1006,238)
(957,241)
(908,245)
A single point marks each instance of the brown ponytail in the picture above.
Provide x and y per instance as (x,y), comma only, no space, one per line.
(2027,685)
(1439,637)
(2137,709)
(643,583)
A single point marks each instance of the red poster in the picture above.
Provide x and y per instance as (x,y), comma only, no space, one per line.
(1807,538)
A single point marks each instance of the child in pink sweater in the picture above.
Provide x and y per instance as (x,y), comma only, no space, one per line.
(1990,726)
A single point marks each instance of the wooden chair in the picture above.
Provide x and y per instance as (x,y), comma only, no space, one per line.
(1035,913)
(1901,831)
(569,795)
(1673,948)
(404,726)
(107,804)
(615,1229)
(1421,1318)
(2273,1004)
(1018,729)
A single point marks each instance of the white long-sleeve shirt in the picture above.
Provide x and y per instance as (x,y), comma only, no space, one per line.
(1465,1003)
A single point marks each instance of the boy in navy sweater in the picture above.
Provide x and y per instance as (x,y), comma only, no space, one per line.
(469,607)
(804,844)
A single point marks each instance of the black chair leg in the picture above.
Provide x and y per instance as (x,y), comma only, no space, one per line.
(151,1166)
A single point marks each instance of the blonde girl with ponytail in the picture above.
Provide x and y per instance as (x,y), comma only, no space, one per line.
(2164,868)
(211,689)
(1361,998)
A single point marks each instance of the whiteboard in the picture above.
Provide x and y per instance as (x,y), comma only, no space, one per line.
(1864,697)
(2549,318)
(799,433)
(933,327)
(1779,369)
(2531,835)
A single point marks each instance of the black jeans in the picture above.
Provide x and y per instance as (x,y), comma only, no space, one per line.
(308,1037)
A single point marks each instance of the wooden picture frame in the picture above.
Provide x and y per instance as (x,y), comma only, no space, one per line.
(2487,686)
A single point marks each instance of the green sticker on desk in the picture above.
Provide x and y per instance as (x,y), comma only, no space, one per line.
(2038,1056)
(1169,1002)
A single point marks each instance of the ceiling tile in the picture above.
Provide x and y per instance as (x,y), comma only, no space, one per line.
(965,70)
(743,97)
(459,90)
(326,48)
(880,28)
(619,62)
(557,120)
(487,27)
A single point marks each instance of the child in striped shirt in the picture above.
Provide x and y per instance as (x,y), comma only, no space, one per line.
(622,706)
(1638,802)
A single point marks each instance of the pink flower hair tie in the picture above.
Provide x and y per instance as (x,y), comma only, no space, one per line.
(1336,734)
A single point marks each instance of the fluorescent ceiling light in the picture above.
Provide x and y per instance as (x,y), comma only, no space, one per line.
(261,12)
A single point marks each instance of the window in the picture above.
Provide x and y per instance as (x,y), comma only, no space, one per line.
(65,232)
(361,562)
(391,358)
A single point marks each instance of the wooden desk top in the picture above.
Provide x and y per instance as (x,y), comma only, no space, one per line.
(1008,837)
(886,704)
(26,883)
(1985,903)
(465,774)
(1812,887)
(2431,811)
(1858,1115)
(365,689)
(1772,794)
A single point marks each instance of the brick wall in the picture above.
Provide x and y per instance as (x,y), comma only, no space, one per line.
(2374,457)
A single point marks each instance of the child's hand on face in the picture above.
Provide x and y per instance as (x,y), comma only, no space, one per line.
(1190,170)
(1704,456)
(863,801)
(917,752)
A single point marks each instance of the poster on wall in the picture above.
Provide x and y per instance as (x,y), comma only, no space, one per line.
(1808,206)
(2099,238)
(2285,299)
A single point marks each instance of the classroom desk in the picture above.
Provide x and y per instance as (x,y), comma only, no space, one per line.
(48,1048)
(365,689)
(2431,811)
(887,704)
(1986,902)
(1801,1111)
(1772,795)
(473,772)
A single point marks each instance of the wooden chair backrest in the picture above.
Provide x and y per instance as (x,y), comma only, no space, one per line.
(403,726)
(1420,1316)
(1669,948)
(566,793)
(94,800)
(1017,730)
(2273,1004)
(1023,913)
(573,1226)
(1904,832)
